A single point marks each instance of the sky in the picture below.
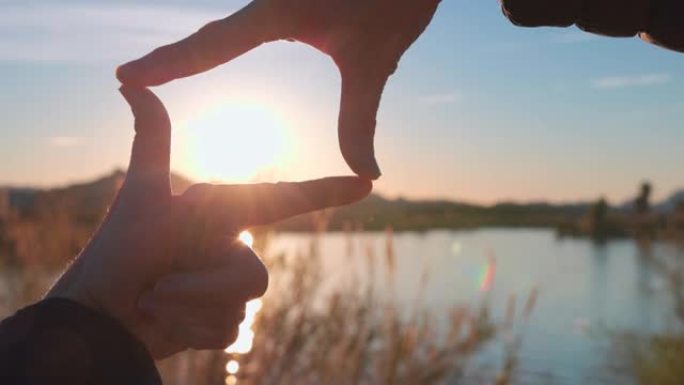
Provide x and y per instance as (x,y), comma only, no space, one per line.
(479,110)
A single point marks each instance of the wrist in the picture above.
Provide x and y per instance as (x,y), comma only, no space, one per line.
(73,286)
(69,286)
(77,286)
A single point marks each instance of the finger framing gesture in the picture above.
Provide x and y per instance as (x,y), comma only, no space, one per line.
(365,38)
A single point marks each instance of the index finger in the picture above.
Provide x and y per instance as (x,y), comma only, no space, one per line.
(214,44)
(244,206)
(238,276)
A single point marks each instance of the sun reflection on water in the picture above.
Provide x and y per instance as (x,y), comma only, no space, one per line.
(243,344)
(245,340)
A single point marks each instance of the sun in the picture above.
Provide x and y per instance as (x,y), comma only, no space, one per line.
(232,142)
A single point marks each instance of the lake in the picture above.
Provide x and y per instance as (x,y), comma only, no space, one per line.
(584,289)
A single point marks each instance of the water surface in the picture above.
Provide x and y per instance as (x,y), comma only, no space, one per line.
(584,288)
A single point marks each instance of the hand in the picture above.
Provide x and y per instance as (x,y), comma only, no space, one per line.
(365,38)
(656,21)
(175,257)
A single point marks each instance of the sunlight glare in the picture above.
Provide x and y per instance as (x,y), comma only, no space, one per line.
(247,238)
(234,142)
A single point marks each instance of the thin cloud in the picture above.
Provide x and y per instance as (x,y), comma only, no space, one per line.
(614,82)
(92,32)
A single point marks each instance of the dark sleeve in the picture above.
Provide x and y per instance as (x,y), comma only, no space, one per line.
(61,342)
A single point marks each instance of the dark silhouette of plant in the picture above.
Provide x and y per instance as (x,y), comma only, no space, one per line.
(642,204)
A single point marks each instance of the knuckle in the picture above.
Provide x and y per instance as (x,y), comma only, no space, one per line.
(227,337)
(217,339)
(242,315)
(210,26)
(210,344)
(255,273)
(229,316)
(260,277)
(197,190)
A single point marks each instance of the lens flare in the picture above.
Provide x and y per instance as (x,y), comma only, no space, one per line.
(456,248)
(232,367)
(487,275)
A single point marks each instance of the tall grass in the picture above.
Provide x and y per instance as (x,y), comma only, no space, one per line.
(656,359)
(349,334)
(305,333)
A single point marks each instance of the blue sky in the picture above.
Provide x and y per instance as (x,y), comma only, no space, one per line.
(479,110)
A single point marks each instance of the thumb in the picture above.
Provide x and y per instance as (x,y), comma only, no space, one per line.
(151,153)
(359,105)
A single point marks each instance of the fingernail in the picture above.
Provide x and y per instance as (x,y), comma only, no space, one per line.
(122,73)
(374,172)
(365,165)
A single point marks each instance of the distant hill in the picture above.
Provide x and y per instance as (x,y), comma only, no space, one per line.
(671,203)
(377,213)
(87,202)
(666,206)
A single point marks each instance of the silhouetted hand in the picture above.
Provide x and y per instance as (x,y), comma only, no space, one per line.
(366,38)
(659,22)
(169,267)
